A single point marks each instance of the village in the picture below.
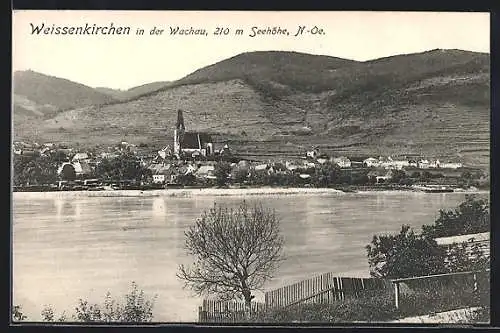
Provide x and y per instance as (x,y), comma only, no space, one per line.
(193,160)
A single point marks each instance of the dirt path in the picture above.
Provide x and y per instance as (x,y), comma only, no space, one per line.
(460,316)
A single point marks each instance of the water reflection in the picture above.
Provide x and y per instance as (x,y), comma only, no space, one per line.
(78,209)
(59,203)
(159,208)
(381,201)
(67,209)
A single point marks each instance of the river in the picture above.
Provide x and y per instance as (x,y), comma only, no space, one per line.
(70,248)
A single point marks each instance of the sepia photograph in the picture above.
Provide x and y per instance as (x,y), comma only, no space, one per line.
(244,168)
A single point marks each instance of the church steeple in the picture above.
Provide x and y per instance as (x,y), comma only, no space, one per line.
(180,128)
(180,122)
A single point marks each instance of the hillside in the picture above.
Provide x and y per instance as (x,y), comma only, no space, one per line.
(114,93)
(43,95)
(285,70)
(434,103)
(134,92)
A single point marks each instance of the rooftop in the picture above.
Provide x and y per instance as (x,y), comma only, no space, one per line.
(481,237)
(190,140)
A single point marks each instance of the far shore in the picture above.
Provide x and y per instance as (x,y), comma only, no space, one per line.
(197,192)
(180,192)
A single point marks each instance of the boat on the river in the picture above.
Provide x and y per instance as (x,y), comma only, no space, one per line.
(434,188)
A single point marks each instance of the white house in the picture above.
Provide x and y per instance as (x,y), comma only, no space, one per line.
(450,165)
(434,164)
(396,164)
(371,162)
(109,155)
(161,172)
(312,153)
(80,157)
(342,162)
(159,178)
(164,152)
(423,164)
(206,171)
(322,160)
(260,167)
(379,175)
(309,164)
(190,169)
(386,165)
(291,166)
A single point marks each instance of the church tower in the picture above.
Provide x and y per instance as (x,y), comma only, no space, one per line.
(179,132)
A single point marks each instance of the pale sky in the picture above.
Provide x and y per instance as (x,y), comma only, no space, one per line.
(125,61)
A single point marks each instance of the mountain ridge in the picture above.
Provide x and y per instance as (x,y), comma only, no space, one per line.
(49,94)
(134,92)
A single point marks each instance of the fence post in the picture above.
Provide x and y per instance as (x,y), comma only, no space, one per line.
(396,293)
(200,314)
(475,283)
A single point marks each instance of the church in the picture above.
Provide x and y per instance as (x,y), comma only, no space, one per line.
(191,143)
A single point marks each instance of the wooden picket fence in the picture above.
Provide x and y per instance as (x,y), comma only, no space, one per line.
(225,311)
(325,288)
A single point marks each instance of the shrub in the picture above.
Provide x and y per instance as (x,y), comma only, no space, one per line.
(433,298)
(47,313)
(461,260)
(415,175)
(241,175)
(482,315)
(397,176)
(406,254)
(136,307)
(222,171)
(17,314)
(186,180)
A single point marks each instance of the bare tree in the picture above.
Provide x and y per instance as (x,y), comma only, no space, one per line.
(235,251)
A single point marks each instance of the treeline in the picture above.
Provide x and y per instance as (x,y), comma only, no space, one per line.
(126,166)
(325,176)
(34,171)
(38,170)
(328,175)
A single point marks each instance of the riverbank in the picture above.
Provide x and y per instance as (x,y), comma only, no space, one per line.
(196,192)
(181,193)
